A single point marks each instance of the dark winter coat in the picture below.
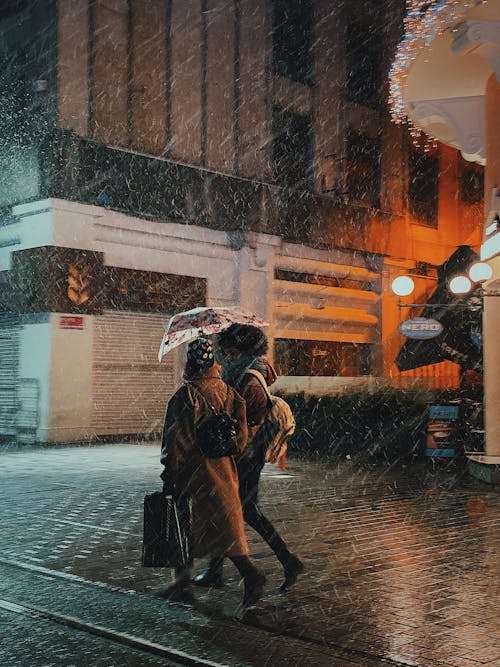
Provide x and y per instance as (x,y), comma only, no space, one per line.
(211,483)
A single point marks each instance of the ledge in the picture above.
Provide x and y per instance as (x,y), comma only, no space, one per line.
(484,467)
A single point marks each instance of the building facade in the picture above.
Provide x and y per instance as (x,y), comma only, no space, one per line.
(157,156)
(446,81)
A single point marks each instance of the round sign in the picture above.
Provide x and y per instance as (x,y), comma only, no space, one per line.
(421,328)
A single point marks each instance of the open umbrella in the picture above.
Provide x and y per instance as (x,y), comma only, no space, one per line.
(184,327)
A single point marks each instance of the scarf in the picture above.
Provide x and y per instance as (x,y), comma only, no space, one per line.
(235,370)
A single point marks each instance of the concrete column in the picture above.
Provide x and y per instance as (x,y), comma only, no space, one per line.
(70,375)
(491,316)
(255,278)
(491,327)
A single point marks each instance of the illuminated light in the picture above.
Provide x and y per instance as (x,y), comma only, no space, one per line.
(402,285)
(480,271)
(493,227)
(491,247)
(460,285)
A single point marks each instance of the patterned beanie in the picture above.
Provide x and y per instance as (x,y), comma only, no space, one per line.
(200,354)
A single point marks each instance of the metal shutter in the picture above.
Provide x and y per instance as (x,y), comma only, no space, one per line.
(9,371)
(130,387)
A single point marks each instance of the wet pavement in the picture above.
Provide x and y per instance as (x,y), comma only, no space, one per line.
(401,566)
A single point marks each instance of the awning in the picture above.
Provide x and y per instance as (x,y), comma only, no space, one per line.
(461,340)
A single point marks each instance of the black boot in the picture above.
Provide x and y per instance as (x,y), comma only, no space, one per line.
(212,577)
(292,567)
(253,578)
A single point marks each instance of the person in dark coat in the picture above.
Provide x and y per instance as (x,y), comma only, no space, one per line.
(243,347)
(210,485)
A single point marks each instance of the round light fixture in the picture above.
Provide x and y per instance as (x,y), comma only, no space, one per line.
(480,271)
(402,285)
(460,285)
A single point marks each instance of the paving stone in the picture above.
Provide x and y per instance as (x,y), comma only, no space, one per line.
(404,575)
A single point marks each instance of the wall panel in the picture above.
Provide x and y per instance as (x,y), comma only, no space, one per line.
(185,41)
(220,85)
(72,70)
(148,93)
(254,147)
(110,71)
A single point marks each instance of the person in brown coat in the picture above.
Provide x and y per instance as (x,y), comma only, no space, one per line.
(210,485)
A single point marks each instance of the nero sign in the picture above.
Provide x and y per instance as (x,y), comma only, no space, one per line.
(421,328)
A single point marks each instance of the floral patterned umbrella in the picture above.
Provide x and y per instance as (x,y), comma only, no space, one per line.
(186,326)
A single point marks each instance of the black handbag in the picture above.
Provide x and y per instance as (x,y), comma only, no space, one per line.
(216,436)
(167,532)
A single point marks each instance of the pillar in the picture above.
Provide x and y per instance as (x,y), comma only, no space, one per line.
(491,316)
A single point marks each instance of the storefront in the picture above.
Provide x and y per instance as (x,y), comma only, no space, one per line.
(445,80)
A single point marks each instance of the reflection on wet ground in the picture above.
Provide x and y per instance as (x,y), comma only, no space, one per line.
(400,563)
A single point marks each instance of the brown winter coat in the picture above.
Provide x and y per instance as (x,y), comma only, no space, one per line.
(212,483)
(257,403)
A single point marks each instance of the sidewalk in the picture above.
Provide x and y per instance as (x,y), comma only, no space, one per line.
(401,565)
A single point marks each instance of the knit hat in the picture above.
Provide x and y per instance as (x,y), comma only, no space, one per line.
(200,354)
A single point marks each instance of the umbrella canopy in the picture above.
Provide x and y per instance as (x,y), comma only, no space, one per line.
(461,319)
(184,327)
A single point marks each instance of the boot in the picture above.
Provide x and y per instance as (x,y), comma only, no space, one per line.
(212,577)
(253,579)
(181,590)
(176,593)
(254,588)
(292,567)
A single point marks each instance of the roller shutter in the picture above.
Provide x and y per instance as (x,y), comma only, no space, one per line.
(9,372)
(130,387)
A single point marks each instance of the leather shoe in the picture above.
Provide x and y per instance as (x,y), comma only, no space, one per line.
(177,593)
(209,579)
(293,567)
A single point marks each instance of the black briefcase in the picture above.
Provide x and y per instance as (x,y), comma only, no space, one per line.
(166,540)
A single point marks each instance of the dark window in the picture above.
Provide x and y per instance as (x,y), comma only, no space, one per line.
(321,358)
(423,187)
(292,148)
(364,65)
(363,169)
(293,40)
(317,279)
(471,183)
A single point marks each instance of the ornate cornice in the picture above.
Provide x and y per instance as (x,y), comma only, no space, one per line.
(464,117)
(482,37)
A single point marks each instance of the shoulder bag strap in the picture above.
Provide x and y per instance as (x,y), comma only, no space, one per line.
(262,381)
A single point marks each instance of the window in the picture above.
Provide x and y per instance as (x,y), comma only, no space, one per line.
(292,148)
(363,169)
(363,65)
(293,40)
(317,279)
(471,183)
(423,187)
(321,358)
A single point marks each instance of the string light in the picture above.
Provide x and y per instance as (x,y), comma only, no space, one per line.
(424,21)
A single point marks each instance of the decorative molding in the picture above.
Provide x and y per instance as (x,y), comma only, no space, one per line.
(469,34)
(482,37)
(463,115)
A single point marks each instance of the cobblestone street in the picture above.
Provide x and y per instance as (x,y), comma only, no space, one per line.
(401,565)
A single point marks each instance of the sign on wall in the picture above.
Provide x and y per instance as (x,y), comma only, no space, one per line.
(420,328)
(71,322)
